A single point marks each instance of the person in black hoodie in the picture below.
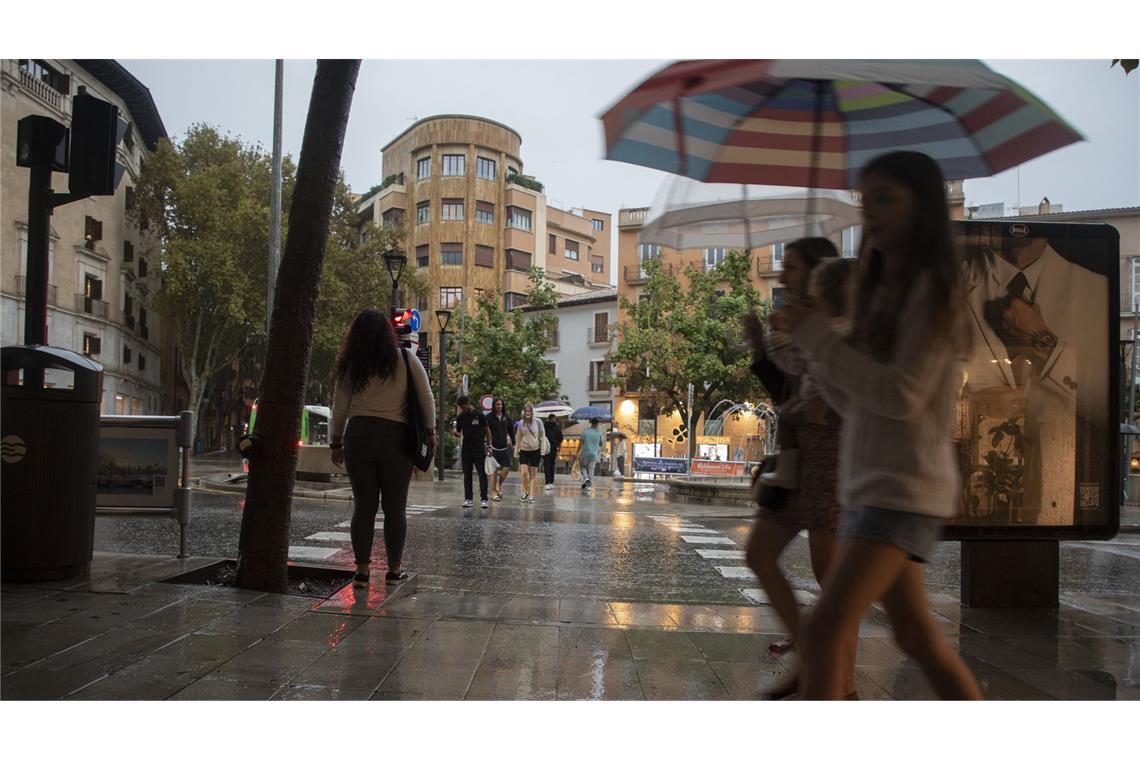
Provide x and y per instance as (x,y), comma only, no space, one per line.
(554,435)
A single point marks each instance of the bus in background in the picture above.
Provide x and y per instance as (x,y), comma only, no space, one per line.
(314,461)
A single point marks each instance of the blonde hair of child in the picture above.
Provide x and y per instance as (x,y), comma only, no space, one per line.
(833,283)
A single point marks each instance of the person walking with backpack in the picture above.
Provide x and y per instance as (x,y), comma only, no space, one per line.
(554,435)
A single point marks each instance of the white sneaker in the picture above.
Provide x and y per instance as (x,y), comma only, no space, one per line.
(548,488)
(467,503)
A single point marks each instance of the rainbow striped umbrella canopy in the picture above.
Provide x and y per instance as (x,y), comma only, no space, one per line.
(815,123)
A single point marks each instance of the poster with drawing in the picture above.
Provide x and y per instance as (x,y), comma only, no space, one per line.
(137,467)
(1037,415)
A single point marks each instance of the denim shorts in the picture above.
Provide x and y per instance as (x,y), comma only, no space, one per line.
(913,533)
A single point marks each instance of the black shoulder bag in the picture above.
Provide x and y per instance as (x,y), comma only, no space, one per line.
(420,446)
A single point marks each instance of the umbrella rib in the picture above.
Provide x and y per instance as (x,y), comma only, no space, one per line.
(957,119)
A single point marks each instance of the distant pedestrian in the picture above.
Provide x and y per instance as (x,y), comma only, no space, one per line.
(554,435)
(896,382)
(529,436)
(471,427)
(502,443)
(372,375)
(588,454)
(619,455)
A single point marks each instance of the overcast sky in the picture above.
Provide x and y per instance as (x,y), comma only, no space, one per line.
(554,105)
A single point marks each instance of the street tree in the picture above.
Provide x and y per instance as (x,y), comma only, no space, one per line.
(504,352)
(206,202)
(686,330)
(263,545)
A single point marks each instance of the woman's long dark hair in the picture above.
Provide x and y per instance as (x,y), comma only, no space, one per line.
(812,250)
(369,351)
(931,252)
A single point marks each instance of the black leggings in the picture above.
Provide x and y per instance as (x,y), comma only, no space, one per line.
(379,469)
(474,461)
(548,463)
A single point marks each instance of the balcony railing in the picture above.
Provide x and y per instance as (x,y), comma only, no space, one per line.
(635,275)
(22,287)
(632,217)
(42,90)
(595,337)
(89,305)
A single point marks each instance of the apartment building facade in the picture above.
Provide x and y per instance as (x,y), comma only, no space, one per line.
(99,279)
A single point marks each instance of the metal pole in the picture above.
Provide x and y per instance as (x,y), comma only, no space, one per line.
(275,191)
(36,285)
(184,510)
(439,434)
(689,438)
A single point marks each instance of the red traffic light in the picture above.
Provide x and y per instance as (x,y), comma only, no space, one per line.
(402,320)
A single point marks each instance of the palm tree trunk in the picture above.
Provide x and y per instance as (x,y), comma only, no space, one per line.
(263,547)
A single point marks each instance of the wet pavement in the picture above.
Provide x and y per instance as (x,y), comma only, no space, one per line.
(620,594)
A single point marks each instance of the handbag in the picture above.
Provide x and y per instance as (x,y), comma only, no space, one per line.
(544,449)
(576,470)
(490,465)
(421,449)
(770,497)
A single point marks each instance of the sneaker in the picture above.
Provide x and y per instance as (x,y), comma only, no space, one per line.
(467,503)
(548,488)
(484,504)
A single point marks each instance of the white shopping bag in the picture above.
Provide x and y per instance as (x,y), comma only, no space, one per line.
(490,465)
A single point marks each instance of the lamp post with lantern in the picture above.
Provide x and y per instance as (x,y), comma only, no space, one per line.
(443,316)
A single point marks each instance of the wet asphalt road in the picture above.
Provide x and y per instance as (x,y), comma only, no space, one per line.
(617,545)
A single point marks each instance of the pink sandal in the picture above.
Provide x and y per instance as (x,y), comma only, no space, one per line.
(779,648)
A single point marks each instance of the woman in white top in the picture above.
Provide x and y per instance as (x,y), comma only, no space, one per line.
(371,399)
(895,381)
(528,443)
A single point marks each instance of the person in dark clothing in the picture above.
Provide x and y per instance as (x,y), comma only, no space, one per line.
(554,435)
(502,445)
(471,427)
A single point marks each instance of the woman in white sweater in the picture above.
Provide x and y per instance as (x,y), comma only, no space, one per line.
(371,400)
(895,382)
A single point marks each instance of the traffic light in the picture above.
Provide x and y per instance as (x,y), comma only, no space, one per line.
(96,131)
(402,321)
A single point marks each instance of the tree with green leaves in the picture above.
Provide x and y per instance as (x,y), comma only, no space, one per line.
(208,196)
(678,334)
(504,353)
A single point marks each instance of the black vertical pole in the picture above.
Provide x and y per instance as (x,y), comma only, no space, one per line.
(36,287)
(439,433)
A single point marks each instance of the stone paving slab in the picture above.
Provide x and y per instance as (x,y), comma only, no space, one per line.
(140,639)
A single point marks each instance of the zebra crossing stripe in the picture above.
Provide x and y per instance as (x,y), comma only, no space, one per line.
(721,553)
(687,529)
(758,596)
(734,571)
(310,552)
(329,536)
(707,540)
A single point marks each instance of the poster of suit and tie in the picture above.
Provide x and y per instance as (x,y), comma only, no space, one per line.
(1038,418)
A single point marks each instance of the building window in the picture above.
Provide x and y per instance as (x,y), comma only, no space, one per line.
(484,212)
(1135,284)
(572,250)
(714,257)
(142,362)
(601,331)
(423,168)
(451,210)
(42,71)
(142,267)
(92,232)
(518,261)
(453,165)
(599,224)
(130,193)
(129,140)
(599,376)
(126,355)
(514,300)
(479,294)
(646,417)
(451,254)
(552,245)
(778,297)
(128,252)
(518,218)
(484,257)
(421,256)
(129,311)
(849,239)
(484,168)
(92,344)
(143,333)
(423,212)
(392,217)
(450,298)
(777,257)
(647,251)
(597,265)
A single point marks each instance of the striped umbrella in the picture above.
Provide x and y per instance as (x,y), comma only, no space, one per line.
(815,123)
(557,408)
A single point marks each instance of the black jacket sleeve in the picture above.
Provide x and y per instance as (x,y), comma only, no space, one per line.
(771,377)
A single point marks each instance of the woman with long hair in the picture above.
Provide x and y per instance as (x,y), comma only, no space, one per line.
(895,381)
(813,505)
(528,444)
(502,443)
(372,375)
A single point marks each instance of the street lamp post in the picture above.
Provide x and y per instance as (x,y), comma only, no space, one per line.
(443,316)
(395,262)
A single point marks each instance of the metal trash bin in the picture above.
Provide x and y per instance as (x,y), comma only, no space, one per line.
(49,426)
